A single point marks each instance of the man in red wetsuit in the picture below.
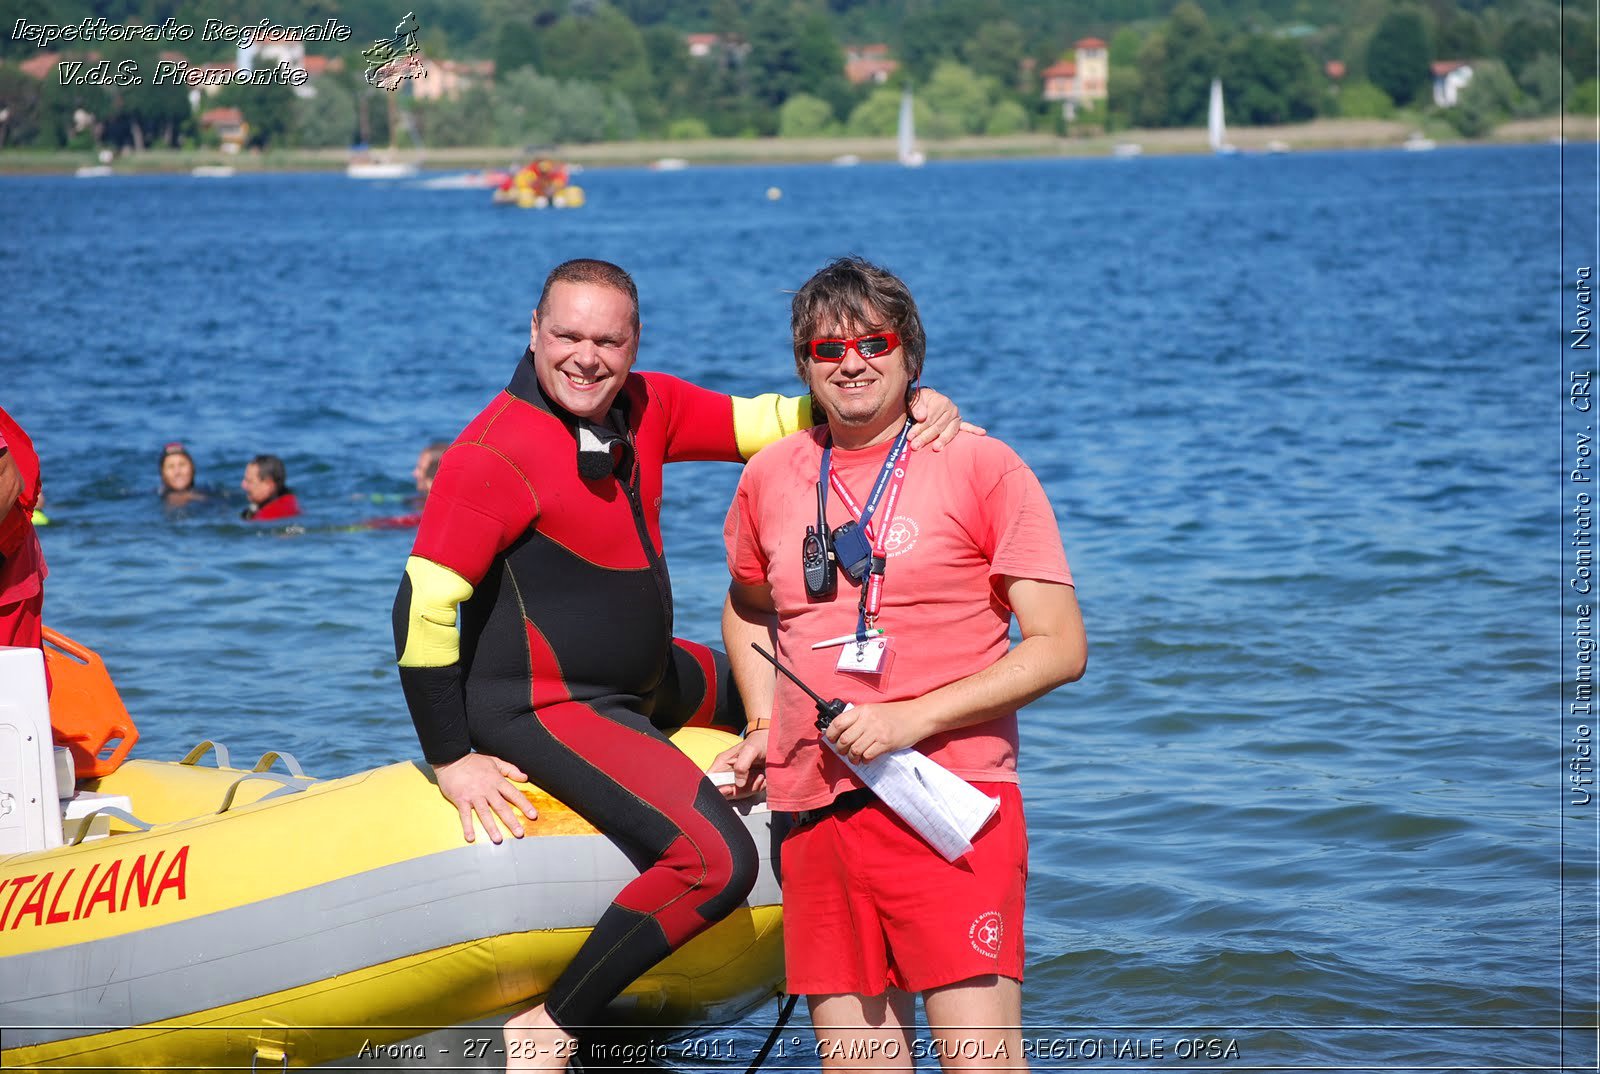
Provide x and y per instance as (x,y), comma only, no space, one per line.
(265,487)
(22,569)
(541,532)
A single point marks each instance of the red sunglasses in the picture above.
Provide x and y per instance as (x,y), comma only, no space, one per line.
(834,350)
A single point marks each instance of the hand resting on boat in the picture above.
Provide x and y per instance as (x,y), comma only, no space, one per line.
(481,784)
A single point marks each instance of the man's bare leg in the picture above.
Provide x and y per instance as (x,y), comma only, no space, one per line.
(977,1024)
(857,1032)
(535,1042)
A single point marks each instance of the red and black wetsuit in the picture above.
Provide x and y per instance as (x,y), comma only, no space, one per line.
(565,664)
(283,505)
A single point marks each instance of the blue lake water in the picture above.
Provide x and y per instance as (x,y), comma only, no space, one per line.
(1298,416)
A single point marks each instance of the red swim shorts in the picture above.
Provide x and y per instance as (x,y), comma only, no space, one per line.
(867,903)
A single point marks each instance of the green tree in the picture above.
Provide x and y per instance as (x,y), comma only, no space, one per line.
(1527,38)
(603,47)
(1398,56)
(1459,36)
(143,114)
(534,109)
(805,116)
(269,109)
(793,52)
(958,100)
(1007,117)
(1362,100)
(932,32)
(1577,45)
(1194,58)
(516,29)
(465,120)
(1270,80)
(879,115)
(688,128)
(1123,88)
(1585,100)
(329,118)
(1152,106)
(996,52)
(1124,48)
(1488,99)
(19,105)
(1544,83)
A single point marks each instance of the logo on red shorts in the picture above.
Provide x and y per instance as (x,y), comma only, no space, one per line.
(984,935)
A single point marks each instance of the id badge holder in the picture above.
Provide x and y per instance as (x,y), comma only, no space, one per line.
(870,657)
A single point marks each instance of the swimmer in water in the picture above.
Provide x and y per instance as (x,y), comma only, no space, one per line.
(265,485)
(177,476)
(423,474)
(427,468)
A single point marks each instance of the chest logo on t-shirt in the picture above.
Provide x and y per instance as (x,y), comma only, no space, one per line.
(902,536)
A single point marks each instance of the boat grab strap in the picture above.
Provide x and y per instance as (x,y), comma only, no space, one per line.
(287,786)
(272,757)
(194,755)
(106,811)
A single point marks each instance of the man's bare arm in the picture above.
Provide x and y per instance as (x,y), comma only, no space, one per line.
(1053,651)
(748,615)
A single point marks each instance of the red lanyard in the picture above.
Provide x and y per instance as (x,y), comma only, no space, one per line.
(872,591)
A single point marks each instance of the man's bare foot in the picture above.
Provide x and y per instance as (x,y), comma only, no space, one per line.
(534,1042)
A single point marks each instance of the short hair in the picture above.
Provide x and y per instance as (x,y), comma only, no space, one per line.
(271,467)
(589,270)
(854,291)
(435,452)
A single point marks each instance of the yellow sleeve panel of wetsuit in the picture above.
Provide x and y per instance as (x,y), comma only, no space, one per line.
(432,638)
(767,419)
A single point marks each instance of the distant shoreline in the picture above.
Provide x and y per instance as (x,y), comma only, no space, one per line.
(1319,134)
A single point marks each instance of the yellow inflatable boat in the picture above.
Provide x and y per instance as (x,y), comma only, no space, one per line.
(200,915)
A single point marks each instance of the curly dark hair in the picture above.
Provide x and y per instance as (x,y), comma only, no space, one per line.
(853,291)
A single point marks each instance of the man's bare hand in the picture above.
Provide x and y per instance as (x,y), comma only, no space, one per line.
(481,784)
(866,732)
(938,421)
(747,761)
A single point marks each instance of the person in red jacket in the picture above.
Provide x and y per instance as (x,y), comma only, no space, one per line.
(22,568)
(265,486)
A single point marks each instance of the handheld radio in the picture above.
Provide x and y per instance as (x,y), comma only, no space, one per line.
(816,556)
(826,710)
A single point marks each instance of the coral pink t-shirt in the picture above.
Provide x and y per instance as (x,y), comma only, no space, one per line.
(966,516)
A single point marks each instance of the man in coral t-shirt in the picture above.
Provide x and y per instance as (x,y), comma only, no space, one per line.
(22,568)
(948,547)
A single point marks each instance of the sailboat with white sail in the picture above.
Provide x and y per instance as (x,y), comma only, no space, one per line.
(1217,127)
(909,154)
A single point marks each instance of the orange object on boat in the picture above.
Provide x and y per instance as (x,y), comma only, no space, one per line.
(87,715)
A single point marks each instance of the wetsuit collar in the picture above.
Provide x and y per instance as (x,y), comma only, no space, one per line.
(602,449)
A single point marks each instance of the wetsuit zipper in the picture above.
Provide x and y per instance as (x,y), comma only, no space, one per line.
(658,566)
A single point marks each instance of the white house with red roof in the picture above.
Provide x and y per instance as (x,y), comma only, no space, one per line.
(1450,77)
(868,63)
(1081,81)
(449,79)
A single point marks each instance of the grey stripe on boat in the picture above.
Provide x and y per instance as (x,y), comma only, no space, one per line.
(154,974)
